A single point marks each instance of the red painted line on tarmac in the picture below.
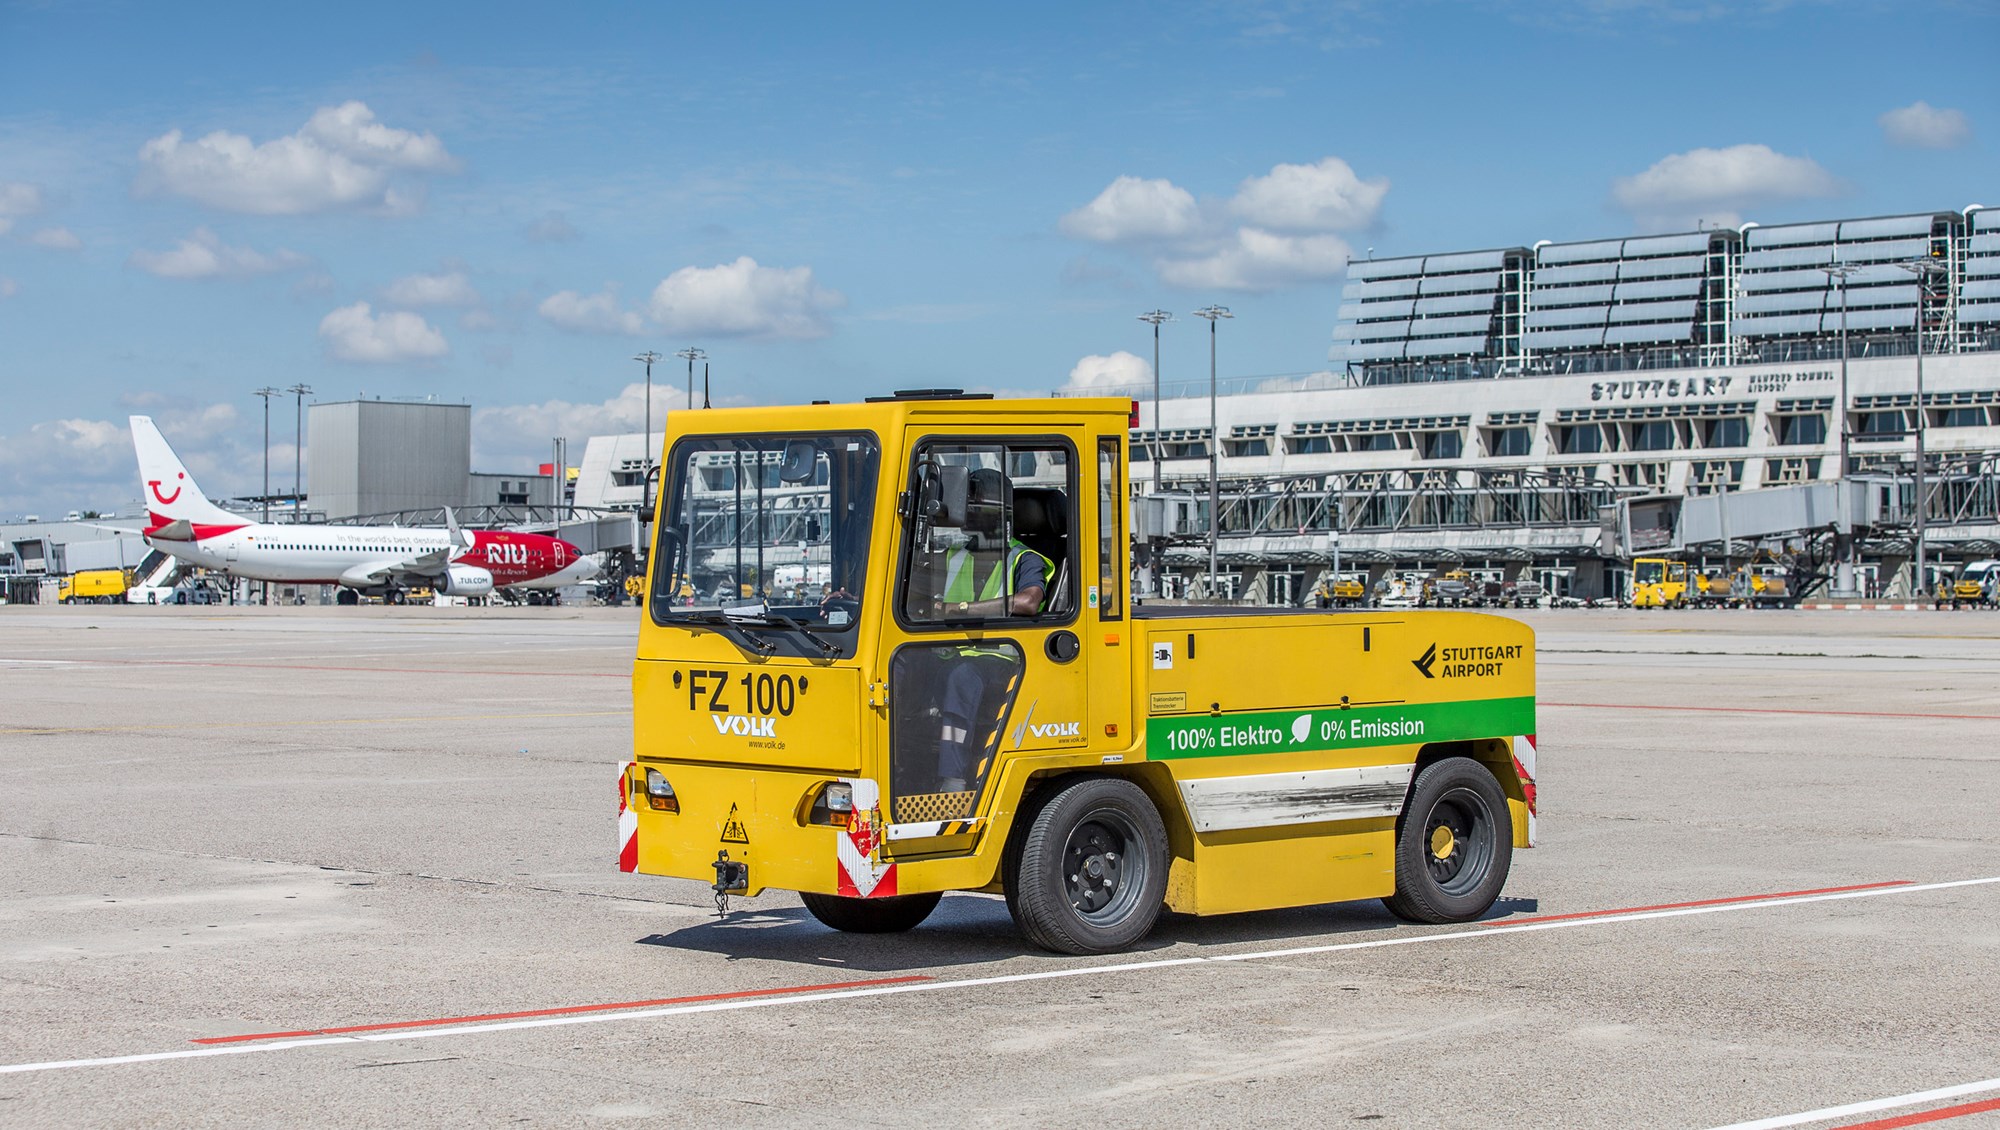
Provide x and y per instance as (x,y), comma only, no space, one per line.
(1772,710)
(1698,902)
(1921,1117)
(367,670)
(744,994)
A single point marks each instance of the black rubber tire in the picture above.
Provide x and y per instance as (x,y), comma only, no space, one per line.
(1091,839)
(1460,794)
(891,914)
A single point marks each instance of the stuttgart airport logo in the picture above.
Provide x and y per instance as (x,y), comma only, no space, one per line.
(1423,662)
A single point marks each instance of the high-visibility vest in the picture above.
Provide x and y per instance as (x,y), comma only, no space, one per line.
(962,584)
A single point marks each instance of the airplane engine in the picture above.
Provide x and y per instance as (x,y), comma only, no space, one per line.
(465,580)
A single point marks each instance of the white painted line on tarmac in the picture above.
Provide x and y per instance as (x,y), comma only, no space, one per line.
(1914,1098)
(978,982)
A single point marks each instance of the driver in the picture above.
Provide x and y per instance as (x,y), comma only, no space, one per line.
(1011,584)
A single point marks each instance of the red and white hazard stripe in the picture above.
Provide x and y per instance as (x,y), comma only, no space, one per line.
(1524,764)
(858,870)
(628,820)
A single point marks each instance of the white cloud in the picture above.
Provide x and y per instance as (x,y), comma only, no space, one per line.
(1275,231)
(76,463)
(341,158)
(450,289)
(553,227)
(1923,126)
(478,320)
(354,333)
(1258,260)
(527,427)
(598,313)
(56,239)
(1717,184)
(203,255)
(1310,198)
(1116,373)
(1131,208)
(351,128)
(17,199)
(516,434)
(743,299)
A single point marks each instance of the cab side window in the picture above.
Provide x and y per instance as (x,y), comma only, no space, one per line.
(990,526)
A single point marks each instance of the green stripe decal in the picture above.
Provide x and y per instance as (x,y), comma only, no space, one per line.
(1292,731)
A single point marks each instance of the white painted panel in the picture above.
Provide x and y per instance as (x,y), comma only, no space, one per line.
(1267,800)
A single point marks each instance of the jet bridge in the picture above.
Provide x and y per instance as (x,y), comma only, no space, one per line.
(1671,524)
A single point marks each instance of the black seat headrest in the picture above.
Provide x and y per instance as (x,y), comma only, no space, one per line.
(1040,512)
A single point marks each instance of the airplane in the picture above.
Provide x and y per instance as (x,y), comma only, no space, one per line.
(377,560)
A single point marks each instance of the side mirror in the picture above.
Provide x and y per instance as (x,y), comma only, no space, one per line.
(953,489)
(800,460)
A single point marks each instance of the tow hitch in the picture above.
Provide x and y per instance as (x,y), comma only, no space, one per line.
(730,875)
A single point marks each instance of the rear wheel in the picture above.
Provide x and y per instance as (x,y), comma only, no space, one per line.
(891,914)
(1454,844)
(1091,868)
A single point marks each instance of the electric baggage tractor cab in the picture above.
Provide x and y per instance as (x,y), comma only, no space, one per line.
(889,652)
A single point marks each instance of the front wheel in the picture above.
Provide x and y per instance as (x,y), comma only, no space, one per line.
(891,914)
(1454,844)
(1091,869)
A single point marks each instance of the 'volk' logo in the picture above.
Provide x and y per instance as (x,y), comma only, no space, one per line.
(166,499)
(1424,661)
(1057,729)
(745,727)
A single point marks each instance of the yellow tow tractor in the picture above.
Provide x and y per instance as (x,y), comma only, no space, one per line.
(1658,582)
(969,701)
(1348,590)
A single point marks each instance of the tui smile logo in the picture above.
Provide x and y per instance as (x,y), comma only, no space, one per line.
(1423,662)
(166,499)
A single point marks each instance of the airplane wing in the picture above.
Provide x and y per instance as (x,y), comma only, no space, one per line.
(423,567)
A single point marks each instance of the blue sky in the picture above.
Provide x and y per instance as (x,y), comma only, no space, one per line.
(503,203)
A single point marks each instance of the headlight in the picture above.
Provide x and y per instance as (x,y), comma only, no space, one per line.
(660,794)
(840,797)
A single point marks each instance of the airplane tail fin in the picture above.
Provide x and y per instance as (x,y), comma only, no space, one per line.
(171,493)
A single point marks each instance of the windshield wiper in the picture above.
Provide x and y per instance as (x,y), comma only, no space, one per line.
(727,627)
(764,616)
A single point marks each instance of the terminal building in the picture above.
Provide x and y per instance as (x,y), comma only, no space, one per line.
(1487,407)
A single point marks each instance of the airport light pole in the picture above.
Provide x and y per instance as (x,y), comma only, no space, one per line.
(1156,317)
(1925,270)
(267,392)
(692,354)
(1213,314)
(301,391)
(1838,273)
(646,475)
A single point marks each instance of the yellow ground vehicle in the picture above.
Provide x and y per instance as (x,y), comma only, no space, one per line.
(909,734)
(1659,583)
(95,586)
(1348,590)
(1977,585)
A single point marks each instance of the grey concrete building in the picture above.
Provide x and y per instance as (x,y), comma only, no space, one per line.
(374,456)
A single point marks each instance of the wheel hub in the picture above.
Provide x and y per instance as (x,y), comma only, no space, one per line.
(1094,867)
(1443,842)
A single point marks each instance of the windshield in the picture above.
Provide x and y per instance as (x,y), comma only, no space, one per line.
(773,528)
(1649,572)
